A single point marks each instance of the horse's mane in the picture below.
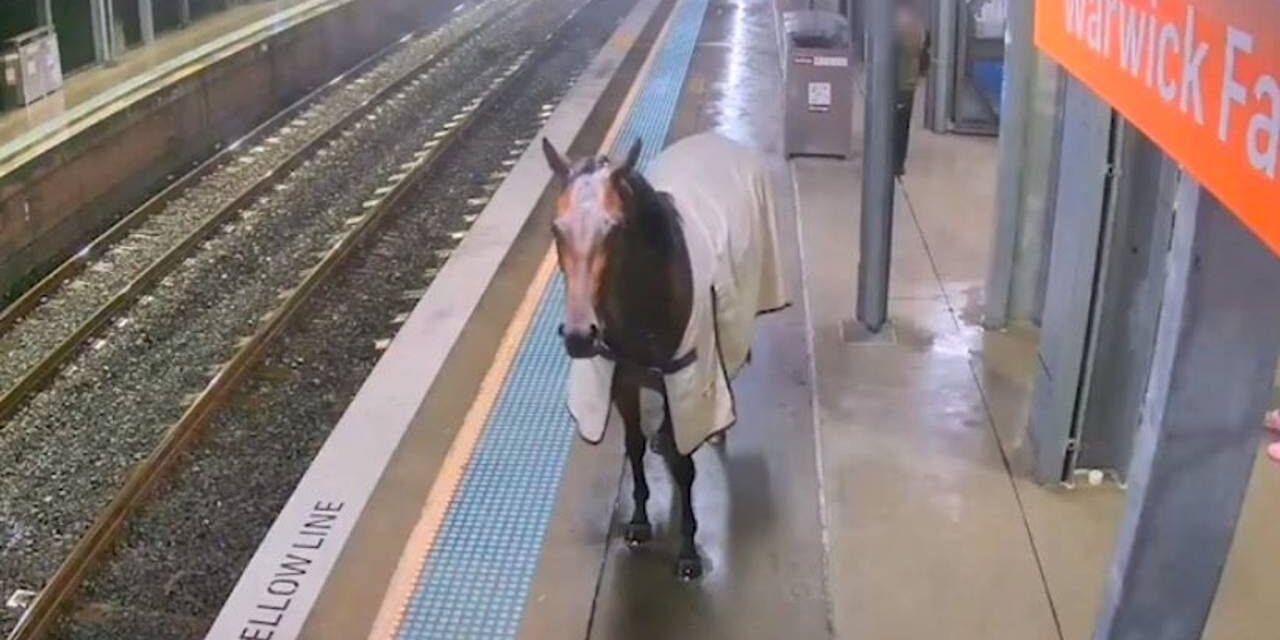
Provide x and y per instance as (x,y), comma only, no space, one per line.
(651,213)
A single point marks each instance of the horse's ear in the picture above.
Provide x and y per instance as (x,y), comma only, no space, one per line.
(633,157)
(559,165)
(620,175)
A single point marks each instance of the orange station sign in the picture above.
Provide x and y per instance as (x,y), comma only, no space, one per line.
(1201,78)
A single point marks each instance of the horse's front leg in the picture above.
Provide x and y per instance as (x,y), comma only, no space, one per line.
(659,443)
(638,531)
(688,562)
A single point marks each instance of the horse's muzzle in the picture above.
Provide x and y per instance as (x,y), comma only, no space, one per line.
(580,344)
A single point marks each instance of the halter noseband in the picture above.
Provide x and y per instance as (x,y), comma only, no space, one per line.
(674,366)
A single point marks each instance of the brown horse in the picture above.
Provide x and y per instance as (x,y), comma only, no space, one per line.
(664,278)
(629,292)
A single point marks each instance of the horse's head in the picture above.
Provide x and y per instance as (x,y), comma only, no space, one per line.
(592,207)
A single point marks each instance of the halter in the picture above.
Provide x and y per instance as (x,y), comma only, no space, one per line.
(674,366)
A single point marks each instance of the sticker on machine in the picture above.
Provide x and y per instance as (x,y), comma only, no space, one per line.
(830,61)
(819,97)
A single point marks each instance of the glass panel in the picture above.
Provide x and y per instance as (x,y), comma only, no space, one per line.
(17,17)
(202,8)
(128,27)
(979,67)
(75,33)
(168,14)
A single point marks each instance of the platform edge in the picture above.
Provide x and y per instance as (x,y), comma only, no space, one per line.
(346,471)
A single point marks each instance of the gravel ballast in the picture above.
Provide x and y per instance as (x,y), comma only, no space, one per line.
(185,551)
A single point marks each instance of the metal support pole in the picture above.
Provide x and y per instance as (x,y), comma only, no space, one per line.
(184,12)
(1211,377)
(1019,55)
(100,20)
(44,12)
(1127,304)
(1080,214)
(147,20)
(943,69)
(1051,86)
(114,45)
(877,169)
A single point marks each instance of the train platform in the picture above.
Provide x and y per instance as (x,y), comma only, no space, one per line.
(871,489)
(284,357)
(92,94)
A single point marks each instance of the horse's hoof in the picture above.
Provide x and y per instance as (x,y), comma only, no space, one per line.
(689,569)
(638,533)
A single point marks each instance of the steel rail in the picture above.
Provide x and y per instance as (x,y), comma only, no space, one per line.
(44,370)
(41,615)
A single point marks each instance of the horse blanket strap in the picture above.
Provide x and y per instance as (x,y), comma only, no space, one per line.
(674,366)
(690,357)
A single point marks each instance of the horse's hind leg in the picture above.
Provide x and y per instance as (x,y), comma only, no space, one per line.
(638,531)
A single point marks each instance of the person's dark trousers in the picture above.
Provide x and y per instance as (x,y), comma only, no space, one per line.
(902,129)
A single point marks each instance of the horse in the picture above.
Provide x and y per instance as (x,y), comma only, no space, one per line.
(663,281)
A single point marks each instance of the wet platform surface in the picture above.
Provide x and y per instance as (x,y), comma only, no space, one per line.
(936,526)
(922,496)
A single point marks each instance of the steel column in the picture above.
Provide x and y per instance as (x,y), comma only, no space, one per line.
(100,20)
(1019,55)
(184,12)
(1085,149)
(1047,127)
(942,71)
(147,21)
(877,169)
(1214,362)
(44,12)
(1127,305)
(1019,293)
(113,45)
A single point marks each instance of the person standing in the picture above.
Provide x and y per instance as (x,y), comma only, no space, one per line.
(912,61)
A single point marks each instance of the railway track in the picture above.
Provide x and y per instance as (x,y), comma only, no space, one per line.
(50,322)
(433,172)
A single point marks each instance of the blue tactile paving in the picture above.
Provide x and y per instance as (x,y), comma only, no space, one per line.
(478,573)
(650,115)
